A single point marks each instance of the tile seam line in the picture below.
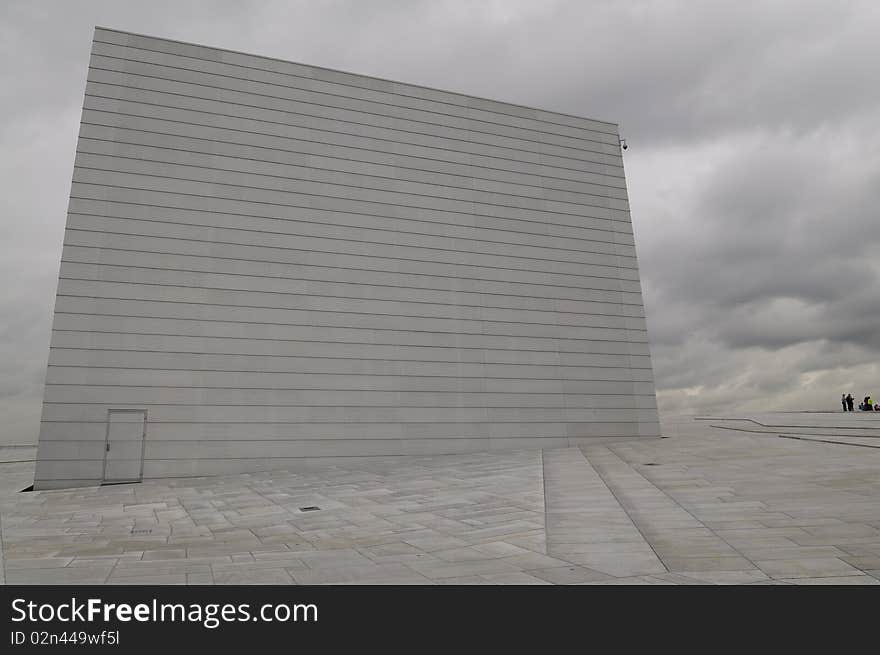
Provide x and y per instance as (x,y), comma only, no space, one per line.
(547,546)
(118,559)
(862,574)
(836,443)
(373,77)
(3,551)
(808,435)
(684,509)
(778,425)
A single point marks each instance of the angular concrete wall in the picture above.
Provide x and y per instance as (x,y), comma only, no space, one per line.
(284,264)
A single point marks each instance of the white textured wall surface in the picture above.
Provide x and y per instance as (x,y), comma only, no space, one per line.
(284,264)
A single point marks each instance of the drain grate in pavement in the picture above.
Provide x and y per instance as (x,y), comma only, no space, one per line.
(310,508)
(141,530)
(650,464)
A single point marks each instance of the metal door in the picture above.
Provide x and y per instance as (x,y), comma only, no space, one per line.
(124,449)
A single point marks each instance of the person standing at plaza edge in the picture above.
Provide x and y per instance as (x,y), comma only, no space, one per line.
(843,401)
(849,401)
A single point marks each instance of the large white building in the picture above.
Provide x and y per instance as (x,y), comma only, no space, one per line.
(271,265)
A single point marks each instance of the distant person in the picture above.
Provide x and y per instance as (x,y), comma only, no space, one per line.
(843,401)
(867,405)
(849,401)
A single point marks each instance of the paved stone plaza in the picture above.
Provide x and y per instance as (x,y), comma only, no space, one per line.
(736,504)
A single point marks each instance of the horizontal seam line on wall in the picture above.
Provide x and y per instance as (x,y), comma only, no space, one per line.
(329,311)
(348,343)
(386,243)
(355,186)
(384,80)
(342,327)
(79,167)
(356,75)
(359,359)
(575,172)
(343,121)
(587,168)
(370,270)
(369,163)
(104,185)
(524,408)
(375,375)
(153,421)
(392,93)
(366,284)
(369,256)
(365,299)
(305,140)
(297,440)
(340,390)
(354,213)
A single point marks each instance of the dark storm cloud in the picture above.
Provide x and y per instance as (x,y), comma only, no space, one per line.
(754,167)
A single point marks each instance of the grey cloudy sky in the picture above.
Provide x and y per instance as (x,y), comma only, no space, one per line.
(753,167)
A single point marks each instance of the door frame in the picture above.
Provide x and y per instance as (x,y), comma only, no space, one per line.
(125,410)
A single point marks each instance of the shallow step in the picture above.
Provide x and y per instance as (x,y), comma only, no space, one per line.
(585,523)
(680,540)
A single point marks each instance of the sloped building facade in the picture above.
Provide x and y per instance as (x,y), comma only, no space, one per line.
(273,265)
